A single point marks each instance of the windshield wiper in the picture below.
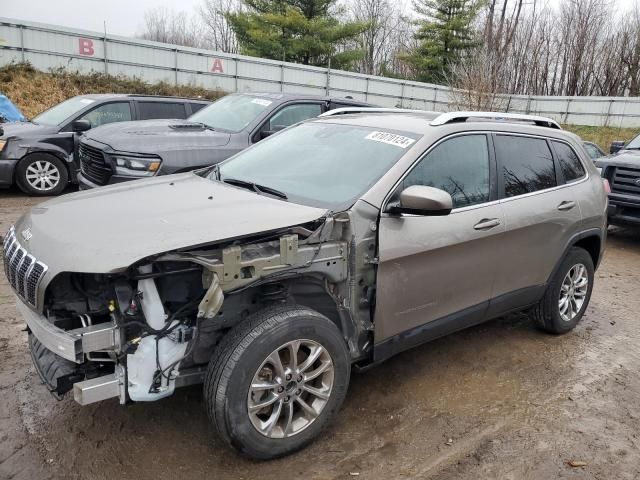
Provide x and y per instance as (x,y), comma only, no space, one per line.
(255,187)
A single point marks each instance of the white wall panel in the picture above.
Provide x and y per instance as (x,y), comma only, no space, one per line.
(49,46)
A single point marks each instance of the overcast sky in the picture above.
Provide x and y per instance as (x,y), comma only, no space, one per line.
(123,17)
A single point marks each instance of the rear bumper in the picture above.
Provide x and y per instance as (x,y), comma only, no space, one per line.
(73,344)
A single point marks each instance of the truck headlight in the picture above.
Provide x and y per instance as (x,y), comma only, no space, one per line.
(136,166)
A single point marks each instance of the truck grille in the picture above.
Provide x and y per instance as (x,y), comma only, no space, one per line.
(23,271)
(92,165)
(626,180)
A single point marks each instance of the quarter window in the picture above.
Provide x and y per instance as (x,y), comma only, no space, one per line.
(527,164)
(459,166)
(151,110)
(569,162)
(109,113)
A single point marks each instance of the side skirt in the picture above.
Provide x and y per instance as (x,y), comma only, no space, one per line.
(497,307)
(430,331)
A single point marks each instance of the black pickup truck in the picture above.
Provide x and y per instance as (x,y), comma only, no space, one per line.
(622,170)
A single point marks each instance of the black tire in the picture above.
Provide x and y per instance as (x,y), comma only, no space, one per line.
(236,361)
(44,159)
(546,314)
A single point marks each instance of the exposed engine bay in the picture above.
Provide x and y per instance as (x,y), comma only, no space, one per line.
(153,328)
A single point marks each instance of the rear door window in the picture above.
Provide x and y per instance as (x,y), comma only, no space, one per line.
(569,163)
(151,110)
(526,164)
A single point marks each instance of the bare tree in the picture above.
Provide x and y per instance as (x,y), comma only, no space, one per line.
(219,33)
(169,26)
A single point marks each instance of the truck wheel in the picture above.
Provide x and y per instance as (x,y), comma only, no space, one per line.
(276,381)
(567,295)
(41,174)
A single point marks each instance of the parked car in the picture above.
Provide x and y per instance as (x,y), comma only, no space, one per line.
(130,151)
(9,112)
(622,171)
(340,241)
(593,150)
(38,155)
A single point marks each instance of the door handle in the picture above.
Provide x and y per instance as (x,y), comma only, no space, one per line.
(566,205)
(487,224)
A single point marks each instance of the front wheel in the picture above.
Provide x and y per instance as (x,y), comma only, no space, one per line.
(276,381)
(41,174)
(567,295)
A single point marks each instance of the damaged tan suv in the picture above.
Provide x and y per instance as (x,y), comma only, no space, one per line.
(340,241)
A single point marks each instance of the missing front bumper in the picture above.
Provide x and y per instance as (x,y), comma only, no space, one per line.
(73,344)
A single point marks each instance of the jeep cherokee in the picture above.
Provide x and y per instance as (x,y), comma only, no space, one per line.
(340,241)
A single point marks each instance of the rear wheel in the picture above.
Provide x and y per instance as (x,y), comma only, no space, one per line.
(568,294)
(41,174)
(276,381)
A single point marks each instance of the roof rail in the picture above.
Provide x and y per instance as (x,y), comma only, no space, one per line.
(453,117)
(345,110)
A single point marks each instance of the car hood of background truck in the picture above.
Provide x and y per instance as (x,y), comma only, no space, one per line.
(108,229)
(157,136)
(624,158)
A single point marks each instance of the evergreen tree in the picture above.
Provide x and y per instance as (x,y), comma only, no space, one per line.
(300,31)
(445,33)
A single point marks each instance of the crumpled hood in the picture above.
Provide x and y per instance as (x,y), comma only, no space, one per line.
(108,229)
(157,136)
(625,158)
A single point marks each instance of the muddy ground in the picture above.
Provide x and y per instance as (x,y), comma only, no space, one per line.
(501,400)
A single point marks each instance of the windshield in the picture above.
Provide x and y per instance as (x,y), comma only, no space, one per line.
(231,113)
(634,144)
(319,164)
(58,114)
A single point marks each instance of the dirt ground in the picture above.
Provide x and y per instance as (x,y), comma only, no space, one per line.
(501,400)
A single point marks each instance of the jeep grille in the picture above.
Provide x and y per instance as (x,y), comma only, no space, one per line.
(23,271)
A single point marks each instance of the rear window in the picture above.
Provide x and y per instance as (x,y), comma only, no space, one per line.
(151,110)
(570,164)
(526,163)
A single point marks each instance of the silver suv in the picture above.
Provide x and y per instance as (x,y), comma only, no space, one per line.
(339,241)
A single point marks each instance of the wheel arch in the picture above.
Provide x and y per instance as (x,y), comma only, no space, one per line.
(589,240)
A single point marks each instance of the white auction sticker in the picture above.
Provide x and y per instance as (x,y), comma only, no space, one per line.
(260,101)
(391,139)
(86,101)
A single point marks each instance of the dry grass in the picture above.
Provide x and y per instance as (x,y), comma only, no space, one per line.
(603,136)
(34,91)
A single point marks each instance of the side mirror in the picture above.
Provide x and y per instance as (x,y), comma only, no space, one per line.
(616,146)
(79,126)
(268,133)
(421,200)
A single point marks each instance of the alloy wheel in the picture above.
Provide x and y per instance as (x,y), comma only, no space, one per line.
(42,175)
(290,389)
(573,292)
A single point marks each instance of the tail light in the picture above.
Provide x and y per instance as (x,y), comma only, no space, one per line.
(607,186)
